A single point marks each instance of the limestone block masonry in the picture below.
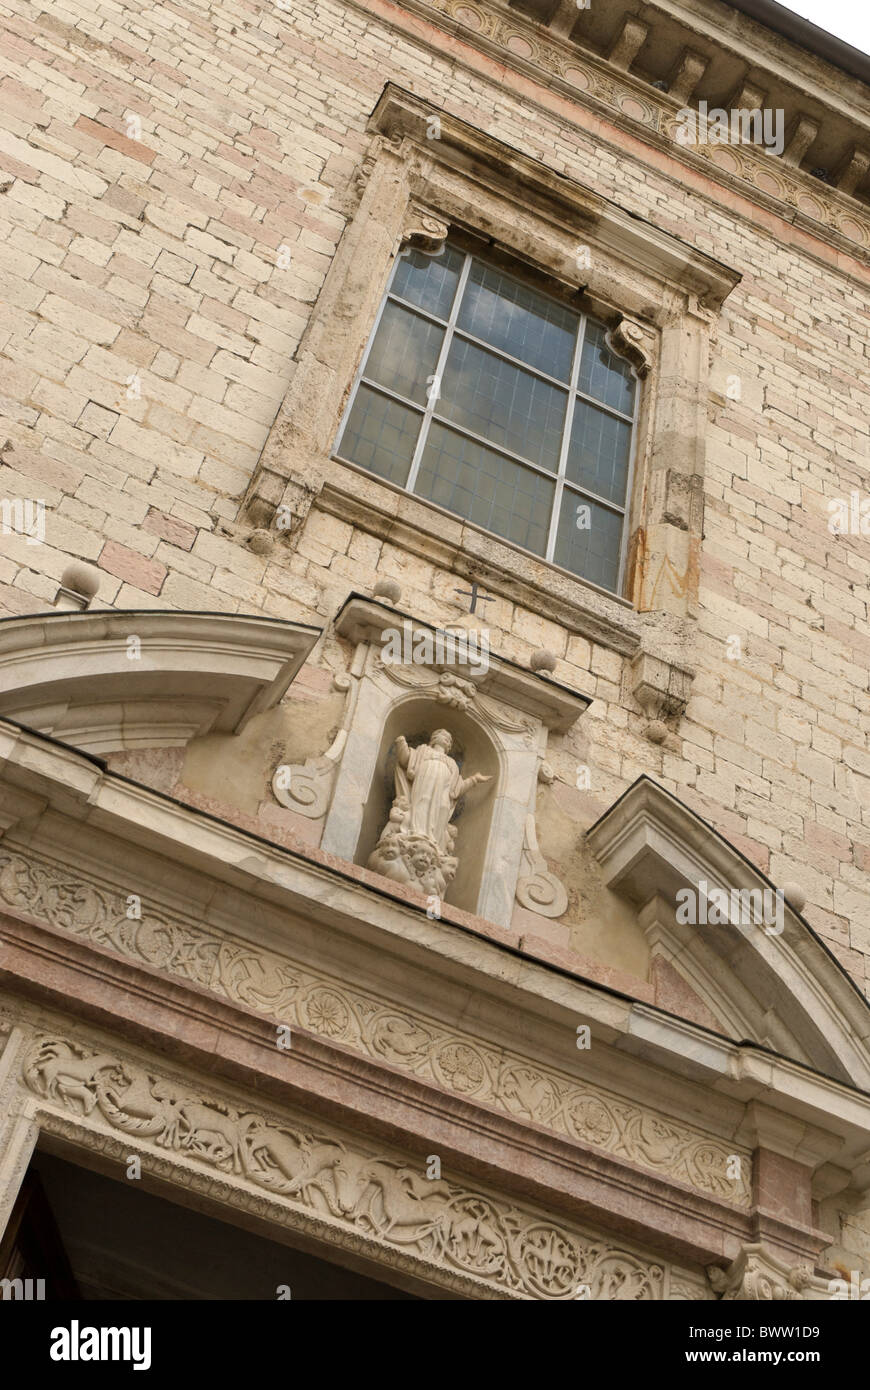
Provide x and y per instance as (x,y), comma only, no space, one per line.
(201,202)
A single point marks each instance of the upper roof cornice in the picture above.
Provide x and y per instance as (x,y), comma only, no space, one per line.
(643,64)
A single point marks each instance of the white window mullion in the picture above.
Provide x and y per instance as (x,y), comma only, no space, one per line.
(439,372)
(566,440)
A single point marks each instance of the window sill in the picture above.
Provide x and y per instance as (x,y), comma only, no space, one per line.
(359,498)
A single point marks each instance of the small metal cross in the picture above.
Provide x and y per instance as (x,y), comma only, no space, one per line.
(473,595)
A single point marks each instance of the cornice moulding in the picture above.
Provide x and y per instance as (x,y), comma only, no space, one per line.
(361,619)
(606,619)
(331,1080)
(648,843)
(401,115)
(630,104)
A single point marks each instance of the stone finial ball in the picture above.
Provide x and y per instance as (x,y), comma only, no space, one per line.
(794,896)
(81,579)
(656,731)
(390,589)
(542,660)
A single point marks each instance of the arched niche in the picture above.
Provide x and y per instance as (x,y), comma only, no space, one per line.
(417,719)
(500,714)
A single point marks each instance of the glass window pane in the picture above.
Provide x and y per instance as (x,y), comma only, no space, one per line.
(485,487)
(503,403)
(598,452)
(380,435)
(520,322)
(588,539)
(404,353)
(604,375)
(429,281)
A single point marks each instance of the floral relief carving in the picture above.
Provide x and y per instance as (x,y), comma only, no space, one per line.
(422,1046)
(378,1197)
(326,1012)
(462,1066)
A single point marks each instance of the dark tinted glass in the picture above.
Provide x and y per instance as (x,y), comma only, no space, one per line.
(485,487)
(380,435)
(429,281)
(588,539)
(405,351)
(599,451)
(603,375)
(506,405)
(520,322)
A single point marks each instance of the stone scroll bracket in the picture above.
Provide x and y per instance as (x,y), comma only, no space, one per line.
(538,889)
(423,231)
(635,342)
(306,788)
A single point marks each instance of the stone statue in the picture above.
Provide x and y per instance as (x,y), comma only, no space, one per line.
(416,845)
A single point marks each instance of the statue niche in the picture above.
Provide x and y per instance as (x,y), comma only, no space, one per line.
(417,843)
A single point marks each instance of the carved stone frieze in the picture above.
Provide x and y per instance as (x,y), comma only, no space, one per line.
(442,1224)
(414,1042)
(537,889)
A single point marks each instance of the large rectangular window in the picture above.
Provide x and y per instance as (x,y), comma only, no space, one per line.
(500,405)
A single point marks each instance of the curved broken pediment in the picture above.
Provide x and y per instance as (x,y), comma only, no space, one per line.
(104,681)
(728,948)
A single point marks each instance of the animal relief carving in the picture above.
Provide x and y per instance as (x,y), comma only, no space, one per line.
(378,1197)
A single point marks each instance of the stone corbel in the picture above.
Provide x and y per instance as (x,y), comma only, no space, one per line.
(285,510)
(538,889)
(629,339)
(660,687)
(423,231)
(758,1275)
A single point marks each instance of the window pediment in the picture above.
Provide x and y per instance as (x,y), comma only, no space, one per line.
(555,706)
(450,171)
(104,681)
(773,981)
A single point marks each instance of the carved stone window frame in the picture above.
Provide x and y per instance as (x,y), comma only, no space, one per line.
(427,171)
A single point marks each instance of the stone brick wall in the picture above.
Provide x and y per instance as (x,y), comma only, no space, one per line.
(159,166)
